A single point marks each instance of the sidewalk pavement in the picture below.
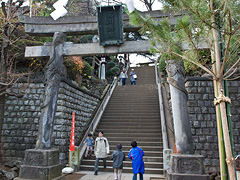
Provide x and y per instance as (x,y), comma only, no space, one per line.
(89,175)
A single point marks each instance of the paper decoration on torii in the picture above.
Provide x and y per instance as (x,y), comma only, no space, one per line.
(60,10)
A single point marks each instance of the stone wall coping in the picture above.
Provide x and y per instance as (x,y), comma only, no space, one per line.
(63,79)
(78,88)
(192,78)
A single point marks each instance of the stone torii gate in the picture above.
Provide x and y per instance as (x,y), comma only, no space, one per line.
(42,162)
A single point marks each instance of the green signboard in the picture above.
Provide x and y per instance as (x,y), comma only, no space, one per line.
(110,27)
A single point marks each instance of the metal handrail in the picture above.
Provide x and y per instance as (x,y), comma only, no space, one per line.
(162,113)
(100,110)
(166,150)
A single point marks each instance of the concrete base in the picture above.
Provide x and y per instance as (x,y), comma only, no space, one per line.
(187,167)
(41,165)
(238,175)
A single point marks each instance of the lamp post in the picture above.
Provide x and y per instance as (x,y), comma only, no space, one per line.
(103,62)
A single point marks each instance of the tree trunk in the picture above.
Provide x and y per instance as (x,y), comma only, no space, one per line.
(3,78)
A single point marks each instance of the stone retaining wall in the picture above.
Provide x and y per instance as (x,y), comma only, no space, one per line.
(203,119)
(22,116)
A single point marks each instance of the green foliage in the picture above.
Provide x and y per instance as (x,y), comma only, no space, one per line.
(192,69)
(87,70)
(86,38)
(110,65)
(115,70)
(162,64)
(193,28)
(109,73)
(158,33)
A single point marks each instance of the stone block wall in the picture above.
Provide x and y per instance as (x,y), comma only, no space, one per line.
(203,119)
(21,119)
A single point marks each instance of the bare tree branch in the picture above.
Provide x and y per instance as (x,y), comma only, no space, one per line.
(232,78)
(4,9)
(225,55)
(231,73)
(15,27)
(196,63)
(233,66)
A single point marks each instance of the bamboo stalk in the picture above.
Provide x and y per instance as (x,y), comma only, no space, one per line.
(229,157)
(221,148)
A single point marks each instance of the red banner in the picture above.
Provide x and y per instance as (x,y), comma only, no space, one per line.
(72,143)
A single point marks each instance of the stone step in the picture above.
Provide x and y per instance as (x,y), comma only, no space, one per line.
(134,101)
(136,138)
(128,127)
(122,103)
(132,118)
(109,124)
(133,114)
(145,158)
(148,87)
(134,96)
(140,143)
(125,163)
(132,108)
(131,111)
(136,131)
(145,148)
(147,153)
(131,121)
(131,135)
(125,170)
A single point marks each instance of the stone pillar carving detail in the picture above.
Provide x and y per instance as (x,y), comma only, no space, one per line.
(179,98)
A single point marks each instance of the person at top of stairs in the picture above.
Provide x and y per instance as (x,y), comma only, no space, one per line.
(101,150)
(124,76)
(133,78)
(136,155)
(118,157)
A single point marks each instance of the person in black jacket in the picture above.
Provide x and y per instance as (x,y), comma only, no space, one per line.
(118,157)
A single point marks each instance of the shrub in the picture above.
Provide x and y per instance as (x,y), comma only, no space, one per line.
(115,71)
(110,65)
(109,73)
(74,65)
(87,69)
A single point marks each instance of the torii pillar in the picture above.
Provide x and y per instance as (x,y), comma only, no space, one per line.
(43,161)
(185,164)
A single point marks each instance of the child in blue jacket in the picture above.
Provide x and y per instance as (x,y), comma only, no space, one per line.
(90,142)
(136,155)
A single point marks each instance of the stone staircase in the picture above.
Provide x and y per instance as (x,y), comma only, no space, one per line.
(133,114)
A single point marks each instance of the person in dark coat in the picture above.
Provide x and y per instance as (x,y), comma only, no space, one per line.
(118,157)
(136,155)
